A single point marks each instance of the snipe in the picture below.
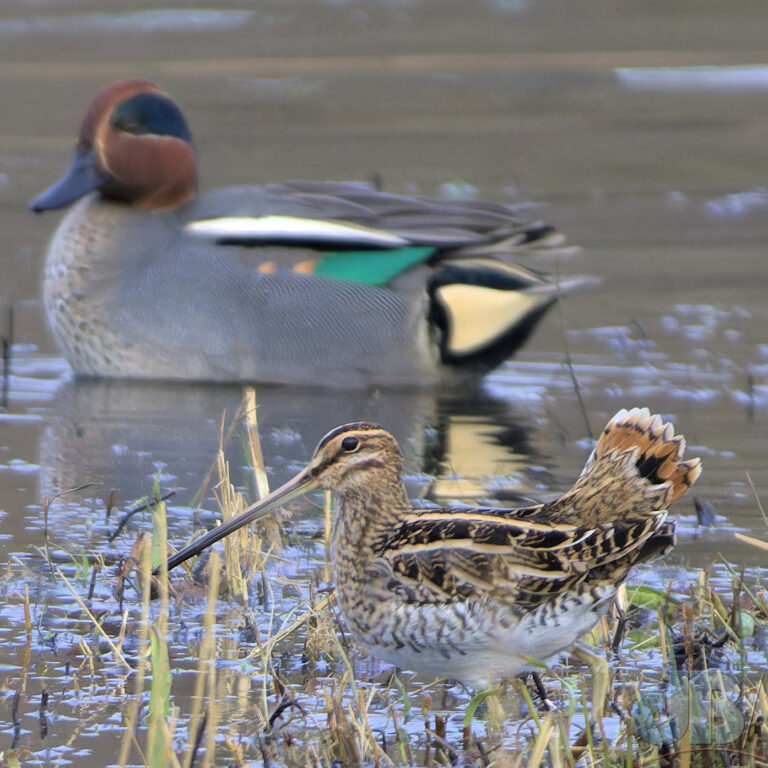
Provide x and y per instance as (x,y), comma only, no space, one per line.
(477,595)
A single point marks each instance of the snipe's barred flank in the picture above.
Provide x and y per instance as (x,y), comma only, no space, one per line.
(478,594)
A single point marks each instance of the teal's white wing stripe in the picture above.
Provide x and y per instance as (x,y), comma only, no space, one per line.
(288,229)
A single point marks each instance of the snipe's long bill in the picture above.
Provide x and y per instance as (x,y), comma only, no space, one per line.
(478,595)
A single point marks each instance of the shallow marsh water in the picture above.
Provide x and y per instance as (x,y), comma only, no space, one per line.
(641,131)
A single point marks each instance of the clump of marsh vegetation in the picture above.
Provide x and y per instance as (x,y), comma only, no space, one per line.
(240,659)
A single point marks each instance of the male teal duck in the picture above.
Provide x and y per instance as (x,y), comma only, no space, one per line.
(332,283)
(480,595)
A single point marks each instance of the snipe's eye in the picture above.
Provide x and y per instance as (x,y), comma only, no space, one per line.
(350,444)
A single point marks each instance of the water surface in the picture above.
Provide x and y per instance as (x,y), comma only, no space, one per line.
(640,130)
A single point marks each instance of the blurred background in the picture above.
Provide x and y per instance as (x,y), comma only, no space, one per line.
(637,129)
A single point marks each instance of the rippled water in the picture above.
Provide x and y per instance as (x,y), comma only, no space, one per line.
(641,130)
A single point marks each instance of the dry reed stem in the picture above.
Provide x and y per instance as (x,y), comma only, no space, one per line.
(134,706)
(254,444)
(546,731)
(206,660)
(97,625)
(231,504)
(752,540)
(285,631)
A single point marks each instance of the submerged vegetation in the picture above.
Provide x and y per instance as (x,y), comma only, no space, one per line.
(241,660)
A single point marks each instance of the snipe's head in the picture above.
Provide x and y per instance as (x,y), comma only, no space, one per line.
(346,459)
(134,146)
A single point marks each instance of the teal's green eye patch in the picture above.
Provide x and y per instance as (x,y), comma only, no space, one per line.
(150,114)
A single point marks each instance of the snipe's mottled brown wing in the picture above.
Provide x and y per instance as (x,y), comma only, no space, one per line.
(613,517)
(447,556)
